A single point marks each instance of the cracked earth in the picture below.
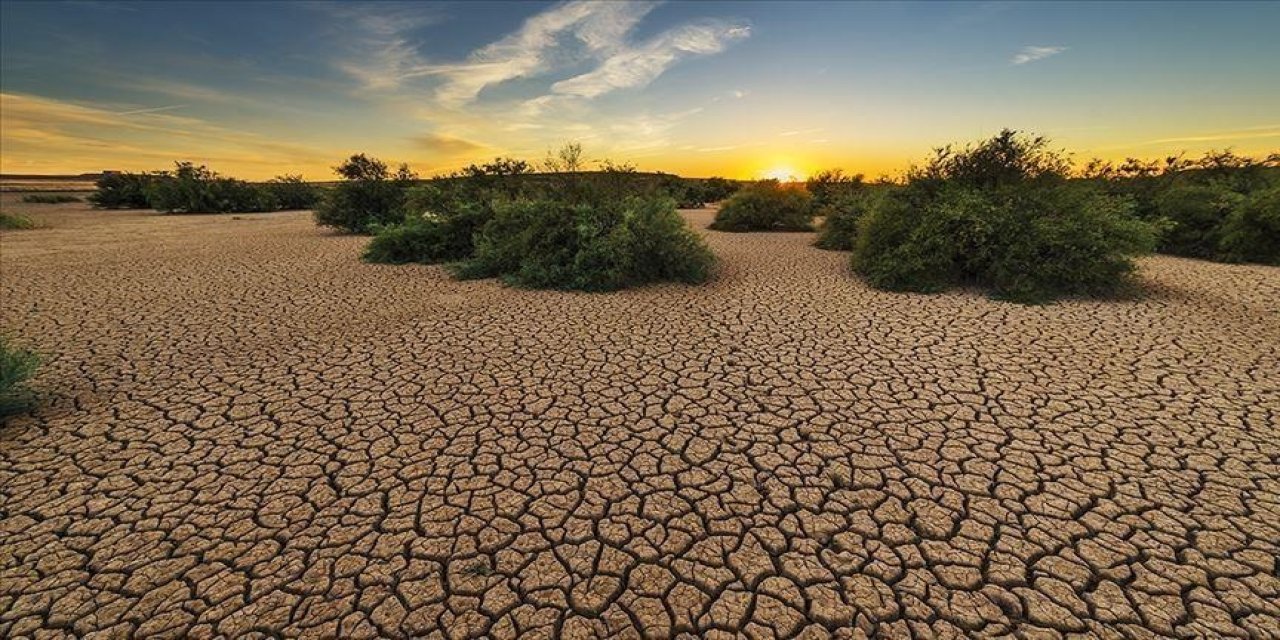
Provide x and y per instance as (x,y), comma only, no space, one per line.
(247,432)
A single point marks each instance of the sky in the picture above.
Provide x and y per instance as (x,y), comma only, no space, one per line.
(737,89)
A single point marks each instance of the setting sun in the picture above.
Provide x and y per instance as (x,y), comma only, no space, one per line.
(782,173)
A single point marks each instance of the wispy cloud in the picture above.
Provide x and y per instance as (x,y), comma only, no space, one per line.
(90,136)
(1033,53)
(132,112)
(1271,131)
(637,66)
(446,145)
(562,37)
(796,132)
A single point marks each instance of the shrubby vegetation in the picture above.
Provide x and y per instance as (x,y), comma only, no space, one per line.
(840,218)
(592,231)
(44,198)
(123,190)
(832,187)
(192,188)
(369,197)
(1251,232)
(766,206)
(16,366)
(1001,215)
(1204,202)
(15,222)
(291,192)
(599,246)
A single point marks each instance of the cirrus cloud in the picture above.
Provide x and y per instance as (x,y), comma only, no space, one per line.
(1033,53)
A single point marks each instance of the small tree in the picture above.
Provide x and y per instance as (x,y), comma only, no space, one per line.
(369,196)
(567,160)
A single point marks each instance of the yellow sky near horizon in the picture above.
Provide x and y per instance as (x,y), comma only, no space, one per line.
(41,135)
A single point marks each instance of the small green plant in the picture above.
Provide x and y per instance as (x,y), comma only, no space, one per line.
(369,197)
(1252,232)
(478,570)
(15,221)
(43,198)
(17,365)
(766,206)
(608,245)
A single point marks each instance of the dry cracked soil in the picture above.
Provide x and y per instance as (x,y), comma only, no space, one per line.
(247,432)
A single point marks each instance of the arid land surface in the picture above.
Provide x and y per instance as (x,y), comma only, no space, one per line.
(247,432)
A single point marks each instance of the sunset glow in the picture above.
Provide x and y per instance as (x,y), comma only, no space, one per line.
(698,89)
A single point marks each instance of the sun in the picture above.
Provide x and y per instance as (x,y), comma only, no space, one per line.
(781,173)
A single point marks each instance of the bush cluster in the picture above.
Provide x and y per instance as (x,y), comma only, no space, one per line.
(192,188)
(123,190)
(1001,215)
(44,198)
(1210,205)
(840,219)
(1251,232)
(369,197)
(766,206)
(291,193)
(599,246)
(1026,243)
(569,229)
(429,238)
(16,366)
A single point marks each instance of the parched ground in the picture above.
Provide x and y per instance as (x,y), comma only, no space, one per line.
(250,433)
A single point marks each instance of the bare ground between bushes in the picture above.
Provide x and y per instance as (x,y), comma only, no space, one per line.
(248,432)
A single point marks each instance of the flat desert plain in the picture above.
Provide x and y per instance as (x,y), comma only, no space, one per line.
(247,432)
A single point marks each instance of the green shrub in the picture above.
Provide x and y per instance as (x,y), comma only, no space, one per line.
(15,221)
(289,192)
(831,187)
(840,220)
(1008,158)
(43,198)
(123,191)
(428,239)
(1025,242)
(1252,232)
(593,247)
(16,366)
(1197,214)
(1002,215)
(196,189)
(369,196)
(766,206)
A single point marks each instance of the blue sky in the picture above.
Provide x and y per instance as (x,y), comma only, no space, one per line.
(700,88)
